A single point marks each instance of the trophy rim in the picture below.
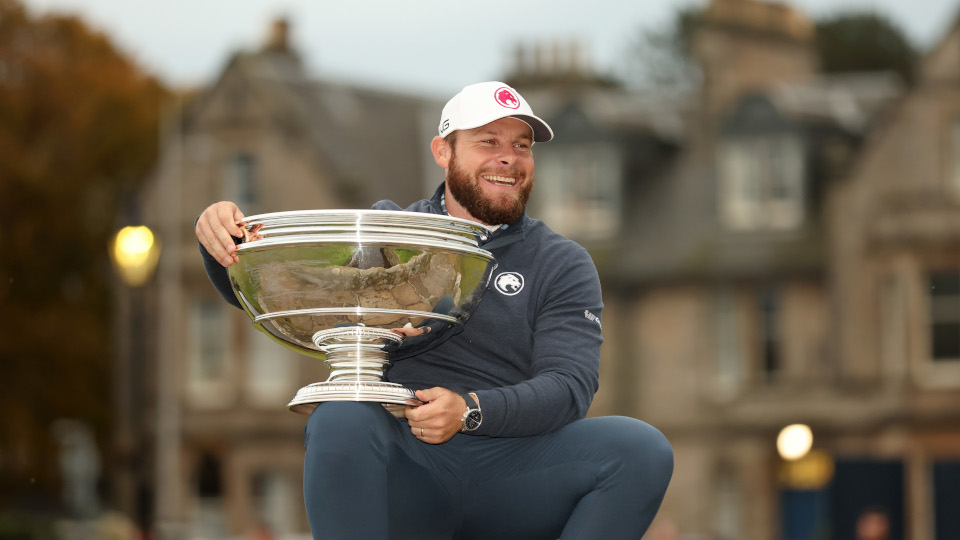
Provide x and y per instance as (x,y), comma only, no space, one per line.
(362,217)
(467,247)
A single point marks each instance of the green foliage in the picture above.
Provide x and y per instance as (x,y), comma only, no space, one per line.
(78,125)
(864,41)
(660,57)
(849,42)
(25,527)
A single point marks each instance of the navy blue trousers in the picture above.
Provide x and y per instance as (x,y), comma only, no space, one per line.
(367,477)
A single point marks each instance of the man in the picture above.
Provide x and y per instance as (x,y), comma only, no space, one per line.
(873,523)
(501,448)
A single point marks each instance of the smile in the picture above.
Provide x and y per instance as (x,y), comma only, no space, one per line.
(500,180)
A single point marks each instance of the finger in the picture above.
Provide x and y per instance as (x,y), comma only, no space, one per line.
(209,240)
(230,217)
(416,414)
(218,243)
(223,227)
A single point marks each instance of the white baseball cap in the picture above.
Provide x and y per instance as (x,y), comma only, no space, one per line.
(479,104)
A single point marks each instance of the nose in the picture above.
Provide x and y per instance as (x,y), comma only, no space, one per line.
(508,155)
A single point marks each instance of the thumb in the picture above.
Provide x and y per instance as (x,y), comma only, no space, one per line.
(430,394)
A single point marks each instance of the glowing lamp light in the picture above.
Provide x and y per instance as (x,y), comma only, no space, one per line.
(135,251)
(794,441)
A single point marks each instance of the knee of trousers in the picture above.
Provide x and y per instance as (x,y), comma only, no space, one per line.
(348,427)
(640,450)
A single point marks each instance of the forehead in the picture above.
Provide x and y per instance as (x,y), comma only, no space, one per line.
(506,127)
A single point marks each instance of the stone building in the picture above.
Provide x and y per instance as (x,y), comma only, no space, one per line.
(228,455)
(776,246)
(786,252)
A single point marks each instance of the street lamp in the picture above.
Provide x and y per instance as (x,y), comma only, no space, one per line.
(794,441)
(134,251)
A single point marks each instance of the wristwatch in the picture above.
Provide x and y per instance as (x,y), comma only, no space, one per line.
(472,416)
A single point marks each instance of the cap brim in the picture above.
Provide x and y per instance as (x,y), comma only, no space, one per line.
(541,131)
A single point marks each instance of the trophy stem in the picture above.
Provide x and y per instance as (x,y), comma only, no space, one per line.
(356,357)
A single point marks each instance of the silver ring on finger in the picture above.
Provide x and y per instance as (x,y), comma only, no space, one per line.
(421,432)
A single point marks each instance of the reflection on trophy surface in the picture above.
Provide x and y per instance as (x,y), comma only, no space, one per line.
(354,287)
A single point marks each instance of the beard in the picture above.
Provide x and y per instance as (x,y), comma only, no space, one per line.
(504,209)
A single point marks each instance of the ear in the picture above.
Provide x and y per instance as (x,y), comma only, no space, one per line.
(441,151)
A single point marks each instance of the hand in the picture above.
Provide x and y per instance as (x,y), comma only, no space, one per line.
(215,227)
(439,418)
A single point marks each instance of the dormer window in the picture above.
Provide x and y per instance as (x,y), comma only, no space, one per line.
(240,181)
(578,189)
(761,182)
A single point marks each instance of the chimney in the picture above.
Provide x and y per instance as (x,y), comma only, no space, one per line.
(744,46)
(277,41)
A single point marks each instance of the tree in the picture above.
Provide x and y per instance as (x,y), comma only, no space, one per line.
(864,41)
(78,131)
(660,57)
(850,42)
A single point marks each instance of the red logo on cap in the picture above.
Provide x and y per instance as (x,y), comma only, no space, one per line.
(507,98)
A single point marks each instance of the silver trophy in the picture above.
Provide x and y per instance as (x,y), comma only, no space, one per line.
(355,287)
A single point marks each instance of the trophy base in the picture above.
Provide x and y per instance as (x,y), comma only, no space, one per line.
(393,396)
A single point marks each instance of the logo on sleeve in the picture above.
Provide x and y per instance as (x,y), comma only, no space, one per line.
(591,317)
(509,283)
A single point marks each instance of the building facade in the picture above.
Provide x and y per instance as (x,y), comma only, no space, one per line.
(776,246)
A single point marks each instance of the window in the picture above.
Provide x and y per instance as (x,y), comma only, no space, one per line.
(729,345)
(946,495)
(275,495)
(894,349)
(944,291)
(208,366)
(208,520)
(768,308)
(955,145)
(727,521)
(578,190)
(271,369)
(761,183)
(239,182)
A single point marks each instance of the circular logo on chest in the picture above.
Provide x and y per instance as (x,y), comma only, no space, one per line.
(509,283)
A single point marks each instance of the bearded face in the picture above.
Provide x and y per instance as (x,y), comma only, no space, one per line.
(493,207)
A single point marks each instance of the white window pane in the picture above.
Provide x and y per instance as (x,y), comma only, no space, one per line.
(730,351)
(761,182)
(270,371)
(955,178)
(578,190)
(208,370)
(276,497)
(207,331)
(239,181)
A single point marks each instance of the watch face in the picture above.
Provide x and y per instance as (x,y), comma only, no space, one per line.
(472,421)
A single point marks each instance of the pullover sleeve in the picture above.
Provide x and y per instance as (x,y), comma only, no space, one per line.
(565,358)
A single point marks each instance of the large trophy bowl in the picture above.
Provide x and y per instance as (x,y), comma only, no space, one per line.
(357,288)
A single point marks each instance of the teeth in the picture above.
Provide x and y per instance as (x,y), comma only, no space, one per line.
(501,180)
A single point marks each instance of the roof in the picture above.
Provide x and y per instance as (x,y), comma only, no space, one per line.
(373,143)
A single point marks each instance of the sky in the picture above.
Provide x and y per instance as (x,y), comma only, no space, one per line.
(430,46)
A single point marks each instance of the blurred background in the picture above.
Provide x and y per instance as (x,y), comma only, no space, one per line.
(770,191)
